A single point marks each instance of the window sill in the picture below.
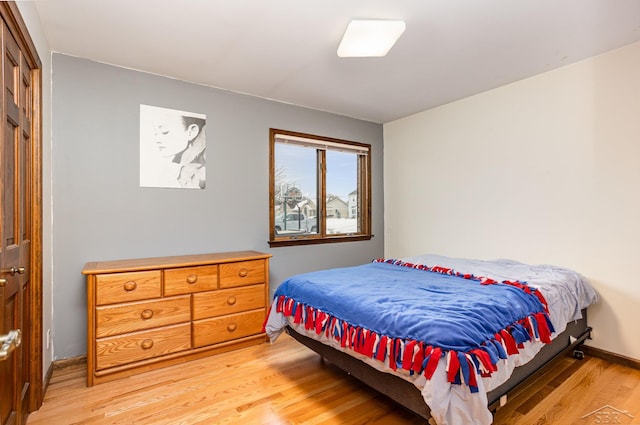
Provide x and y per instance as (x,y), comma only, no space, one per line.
(318,240)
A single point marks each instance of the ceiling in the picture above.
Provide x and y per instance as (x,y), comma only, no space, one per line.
(285,50)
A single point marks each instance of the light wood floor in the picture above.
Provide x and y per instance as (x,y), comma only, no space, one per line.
(285,383)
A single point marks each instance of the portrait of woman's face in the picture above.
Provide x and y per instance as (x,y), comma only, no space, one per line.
(172,148)
(170,136)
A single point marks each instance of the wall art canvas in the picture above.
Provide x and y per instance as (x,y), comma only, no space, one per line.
(172,148)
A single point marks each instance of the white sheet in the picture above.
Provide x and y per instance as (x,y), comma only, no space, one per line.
(566,292)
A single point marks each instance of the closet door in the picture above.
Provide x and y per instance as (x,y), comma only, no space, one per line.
(15,238)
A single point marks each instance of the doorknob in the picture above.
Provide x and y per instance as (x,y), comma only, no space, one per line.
(3,282)
(9,342)
(13,270)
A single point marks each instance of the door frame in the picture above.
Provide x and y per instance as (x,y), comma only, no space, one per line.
(16,25)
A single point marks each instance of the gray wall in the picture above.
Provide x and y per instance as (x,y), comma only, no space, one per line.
(101,213)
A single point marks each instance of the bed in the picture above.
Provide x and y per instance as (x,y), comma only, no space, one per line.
(445,337)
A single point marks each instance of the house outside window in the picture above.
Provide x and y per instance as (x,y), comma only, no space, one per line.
(320,189)
(353,204)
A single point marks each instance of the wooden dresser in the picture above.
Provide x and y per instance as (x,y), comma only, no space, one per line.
(148,313)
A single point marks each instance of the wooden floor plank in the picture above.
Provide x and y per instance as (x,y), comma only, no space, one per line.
(286,384)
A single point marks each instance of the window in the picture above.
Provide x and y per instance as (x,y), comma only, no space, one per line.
(319,189)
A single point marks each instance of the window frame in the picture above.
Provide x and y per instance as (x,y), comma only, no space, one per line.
(363,188)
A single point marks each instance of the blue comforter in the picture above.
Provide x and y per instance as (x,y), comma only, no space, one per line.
(456,314)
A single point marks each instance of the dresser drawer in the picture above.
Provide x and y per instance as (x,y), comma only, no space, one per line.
(227,301)
(131,286)
(124,318)
(242,273)
(124,349)
(226,328)
(186,280)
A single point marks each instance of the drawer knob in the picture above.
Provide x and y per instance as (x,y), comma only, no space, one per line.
(146,314)
(192,278)
(130,286)
(231,300)
(232,327)
(243,273)
(146,344)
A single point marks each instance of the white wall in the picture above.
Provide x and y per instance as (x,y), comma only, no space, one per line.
(544,170)
(32,21)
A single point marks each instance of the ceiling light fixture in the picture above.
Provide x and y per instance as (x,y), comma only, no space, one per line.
(370,38)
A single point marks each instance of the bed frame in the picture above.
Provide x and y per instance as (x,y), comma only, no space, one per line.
(407,395)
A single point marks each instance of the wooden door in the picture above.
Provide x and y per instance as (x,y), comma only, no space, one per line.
(15,242)
(20,322)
